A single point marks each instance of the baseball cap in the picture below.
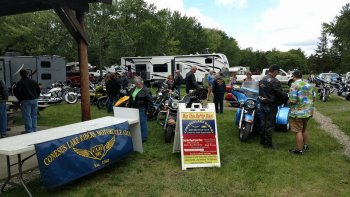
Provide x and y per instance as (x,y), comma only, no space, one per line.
(297,74)
(274,67)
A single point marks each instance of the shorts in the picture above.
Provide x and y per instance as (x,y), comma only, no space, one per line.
(298,124)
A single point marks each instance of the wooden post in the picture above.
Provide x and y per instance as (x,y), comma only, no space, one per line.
(84,72)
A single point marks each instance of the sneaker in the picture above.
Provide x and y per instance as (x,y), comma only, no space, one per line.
(296,151)
(306,147)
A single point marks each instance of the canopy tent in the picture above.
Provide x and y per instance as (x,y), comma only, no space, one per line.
(71,13)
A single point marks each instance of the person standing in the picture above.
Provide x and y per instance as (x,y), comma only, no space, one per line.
(170,82)
(27,92)
(4,95)
(301,102)
(219,89)
(210,79)
(191,82)
(271,96)
(178,81)
(249,77)
(233,79)
(113,91)
(141,98)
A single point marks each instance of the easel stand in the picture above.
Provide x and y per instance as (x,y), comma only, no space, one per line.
(196,136)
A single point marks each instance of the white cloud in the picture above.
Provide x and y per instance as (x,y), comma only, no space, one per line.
(293,24)
(178,5)
(236,3)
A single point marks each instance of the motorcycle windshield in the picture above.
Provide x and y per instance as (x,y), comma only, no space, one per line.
(250,89)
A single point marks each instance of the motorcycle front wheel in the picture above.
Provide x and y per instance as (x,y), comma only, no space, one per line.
(152,113)
(102,102)
(325,96)
(71,98)
(244,131)
(169,133)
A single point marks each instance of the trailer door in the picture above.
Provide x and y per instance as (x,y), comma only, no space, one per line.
(141,70)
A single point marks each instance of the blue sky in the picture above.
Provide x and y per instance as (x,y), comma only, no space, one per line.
(262,24)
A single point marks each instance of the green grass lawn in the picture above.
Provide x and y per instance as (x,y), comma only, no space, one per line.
(338,109)
(247,169)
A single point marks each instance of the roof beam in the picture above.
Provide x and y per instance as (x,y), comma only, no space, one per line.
(72,24)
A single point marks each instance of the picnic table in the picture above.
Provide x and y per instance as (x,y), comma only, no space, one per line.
(14,105)
(21,144)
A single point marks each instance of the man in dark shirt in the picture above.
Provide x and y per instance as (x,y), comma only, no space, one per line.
(191,82)
(219,89)
(27,92)
(113,91)
(271,95)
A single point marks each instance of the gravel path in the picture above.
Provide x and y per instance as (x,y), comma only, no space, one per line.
(327,125)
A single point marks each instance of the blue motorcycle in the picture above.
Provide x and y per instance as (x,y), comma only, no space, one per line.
(248,117)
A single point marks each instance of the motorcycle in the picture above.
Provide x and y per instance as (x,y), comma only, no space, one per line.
(102,101)
(57,93)
(311,78)
(96,91)
(325,90)
(158,102)
(248,116)
(171,108)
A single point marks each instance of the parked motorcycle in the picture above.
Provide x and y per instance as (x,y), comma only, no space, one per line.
(102,101)
(325,90)
(248,116)
(57,93)
(96,91)
(171,109)
(311,78)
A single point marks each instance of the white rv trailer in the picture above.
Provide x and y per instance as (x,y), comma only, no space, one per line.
(155,68)
(44,69)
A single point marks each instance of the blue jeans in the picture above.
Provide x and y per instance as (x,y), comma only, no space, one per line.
(178,88)
(29,110)
(3,118)
(143,124)
(219,103)
(111,102)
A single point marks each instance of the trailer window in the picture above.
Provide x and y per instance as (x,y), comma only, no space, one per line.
(45,64)
(160,67)
(208,60)
(46,76)
(178,67)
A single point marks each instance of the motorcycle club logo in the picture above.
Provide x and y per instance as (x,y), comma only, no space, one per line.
(96,152)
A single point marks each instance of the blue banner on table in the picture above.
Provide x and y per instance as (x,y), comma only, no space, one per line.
(66,159)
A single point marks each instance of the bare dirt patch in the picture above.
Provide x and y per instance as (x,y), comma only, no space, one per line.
(327,125)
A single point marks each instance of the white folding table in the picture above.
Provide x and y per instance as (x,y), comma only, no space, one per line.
(20,144)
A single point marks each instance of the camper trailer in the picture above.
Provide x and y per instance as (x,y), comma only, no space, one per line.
(155,68)
(43,69)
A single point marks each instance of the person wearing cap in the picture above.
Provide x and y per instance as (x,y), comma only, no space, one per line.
(178,81)
(301,102)
(191,82)
(271,96)
(27,92)
(141,98)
